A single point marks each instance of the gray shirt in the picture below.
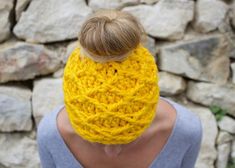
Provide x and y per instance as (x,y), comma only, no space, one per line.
(180,151)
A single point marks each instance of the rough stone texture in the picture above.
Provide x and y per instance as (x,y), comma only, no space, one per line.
(5,9)
(69,50)
(170,84)
(159,45)
(20,7)
(226,29)
(191,34)
(59,73)
(224,137)
(213,94)
(15,109)
(21,61)
(204,59)
(151,46)
(208,151)
(59,48)
(149,1)
(63,20)
(110,4)
(223,155)
(209,14)
(47,95)
(233,150)
(233,14)
(227,124)
(233,72)
(18,151)
(167,19)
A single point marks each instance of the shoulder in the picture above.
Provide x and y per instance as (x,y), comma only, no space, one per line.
(46,131)
(188,126)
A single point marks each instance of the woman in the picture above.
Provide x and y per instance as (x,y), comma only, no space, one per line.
(113,116)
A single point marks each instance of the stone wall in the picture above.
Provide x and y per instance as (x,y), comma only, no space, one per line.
(193,43)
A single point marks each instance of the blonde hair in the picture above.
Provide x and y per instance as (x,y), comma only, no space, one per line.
(110,33)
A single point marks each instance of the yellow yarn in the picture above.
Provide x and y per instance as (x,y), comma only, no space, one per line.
(112,102)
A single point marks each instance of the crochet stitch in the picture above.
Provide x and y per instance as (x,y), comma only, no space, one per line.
(112,102)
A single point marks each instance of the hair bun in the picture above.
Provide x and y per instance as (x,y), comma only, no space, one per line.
(110,33)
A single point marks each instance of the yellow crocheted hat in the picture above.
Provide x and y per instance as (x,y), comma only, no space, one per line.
(112,102)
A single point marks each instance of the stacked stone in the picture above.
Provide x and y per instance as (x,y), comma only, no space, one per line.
(193,43)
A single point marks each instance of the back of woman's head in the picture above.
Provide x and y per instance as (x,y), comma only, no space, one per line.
(111,102)
(110,33)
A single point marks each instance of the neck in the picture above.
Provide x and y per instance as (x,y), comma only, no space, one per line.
(114,151)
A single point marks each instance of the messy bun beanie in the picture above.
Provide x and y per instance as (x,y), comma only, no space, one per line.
(112,102)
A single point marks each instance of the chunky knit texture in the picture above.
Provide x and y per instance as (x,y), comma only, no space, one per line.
(112,102)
